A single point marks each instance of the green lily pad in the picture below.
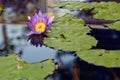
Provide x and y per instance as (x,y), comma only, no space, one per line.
(73,36)
(102,10)
(73,5)
(107,15)
(101,57)
(115,25)
(69,34)
(80,43)
(11,69)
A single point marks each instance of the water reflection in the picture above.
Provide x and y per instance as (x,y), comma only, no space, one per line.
(32,54)
(17,43)
(5,40)
(70,67)
(67,67)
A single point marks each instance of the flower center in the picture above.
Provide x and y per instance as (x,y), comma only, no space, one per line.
(40,27)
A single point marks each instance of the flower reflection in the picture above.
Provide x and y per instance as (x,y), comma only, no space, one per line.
(36,39)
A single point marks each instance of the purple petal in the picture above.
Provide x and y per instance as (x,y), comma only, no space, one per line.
(44,15)
(39,13)
(33,20)
(36,16)
(42,19)
(30,25)
(30,33)
(50,19)
(47,27)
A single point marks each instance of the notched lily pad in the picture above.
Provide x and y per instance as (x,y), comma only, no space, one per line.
(115,25)
(11,69)
(102,10)
(70,35)
(101,57)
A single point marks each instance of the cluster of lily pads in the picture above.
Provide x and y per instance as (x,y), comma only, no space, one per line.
(68,33)
(13,68)
(102,10)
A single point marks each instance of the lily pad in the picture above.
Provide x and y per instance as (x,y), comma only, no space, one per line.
(106,58)
(69,34)
(115,25)
(102,10)
(11,69)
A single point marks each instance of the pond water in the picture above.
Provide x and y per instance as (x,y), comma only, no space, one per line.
(16,35)
(107,39)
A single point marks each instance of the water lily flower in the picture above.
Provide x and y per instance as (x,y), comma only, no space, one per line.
(39,25)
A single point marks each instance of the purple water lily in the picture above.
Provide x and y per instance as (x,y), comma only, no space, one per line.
(39,25)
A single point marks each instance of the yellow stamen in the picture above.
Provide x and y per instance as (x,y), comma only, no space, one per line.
(40,27)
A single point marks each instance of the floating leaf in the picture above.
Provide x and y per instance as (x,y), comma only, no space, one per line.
(107,15)
(101,57)
(69,34)
(13,69)
(102,10)
(115,25)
